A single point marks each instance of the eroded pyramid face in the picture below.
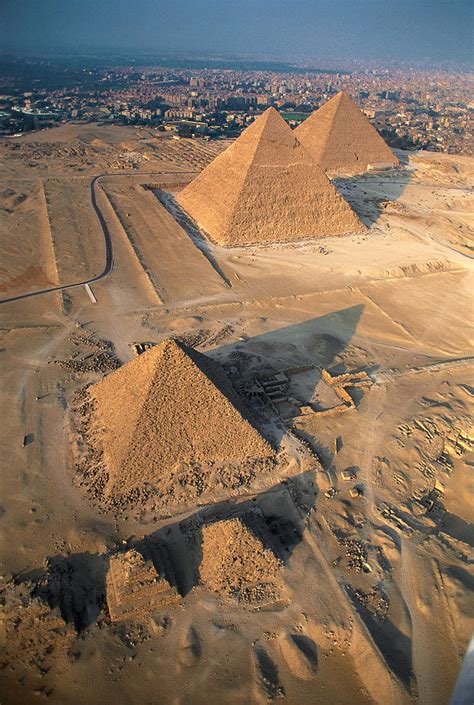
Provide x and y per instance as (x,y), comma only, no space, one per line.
(169,421)
(339,137)
(266,188)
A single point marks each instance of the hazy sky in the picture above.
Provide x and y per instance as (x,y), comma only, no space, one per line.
(392,29)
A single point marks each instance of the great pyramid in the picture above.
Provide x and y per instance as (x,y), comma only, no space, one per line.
(169,412)
(339,137)
(266,188)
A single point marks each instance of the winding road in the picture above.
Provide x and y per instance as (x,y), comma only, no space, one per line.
(109,258)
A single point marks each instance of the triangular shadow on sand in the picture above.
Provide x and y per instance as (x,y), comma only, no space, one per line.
(367,194)
(310,346)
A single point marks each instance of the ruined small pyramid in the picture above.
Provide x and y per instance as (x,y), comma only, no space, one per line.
(135,585)
(339,137)
(169,409)
(266,188)
(235,563)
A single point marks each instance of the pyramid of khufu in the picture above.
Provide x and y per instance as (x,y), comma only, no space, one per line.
(339,137)
(169,424)
(266,188)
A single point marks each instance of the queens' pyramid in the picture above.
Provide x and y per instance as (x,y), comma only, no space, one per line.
(339,137)
(266,188)
(167,413)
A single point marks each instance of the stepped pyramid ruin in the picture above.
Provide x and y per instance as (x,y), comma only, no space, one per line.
(135,586)
(266,188)
(169,423)
(339,137)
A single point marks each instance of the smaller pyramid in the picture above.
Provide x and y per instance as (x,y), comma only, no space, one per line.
(135,586)
(168,413)
(339,137)
(236,564)
(266,188)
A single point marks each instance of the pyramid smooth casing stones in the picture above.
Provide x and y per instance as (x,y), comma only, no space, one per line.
(339,137)
(169,412)
(266,188)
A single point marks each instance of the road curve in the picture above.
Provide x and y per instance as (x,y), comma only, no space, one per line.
(109,259)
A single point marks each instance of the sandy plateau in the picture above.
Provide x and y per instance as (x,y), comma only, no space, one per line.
(342,573)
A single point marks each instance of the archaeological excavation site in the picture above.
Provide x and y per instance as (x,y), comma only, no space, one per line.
(236,412)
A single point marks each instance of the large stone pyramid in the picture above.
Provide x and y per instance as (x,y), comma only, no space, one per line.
(169,410)
(339,137)
(266,188)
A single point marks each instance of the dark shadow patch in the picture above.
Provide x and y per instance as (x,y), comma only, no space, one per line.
(361,192)
(394,646)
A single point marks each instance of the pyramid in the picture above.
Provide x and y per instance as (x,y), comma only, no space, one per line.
(266,188)
(235,563)
(135,586)
(169,409)
(339,137)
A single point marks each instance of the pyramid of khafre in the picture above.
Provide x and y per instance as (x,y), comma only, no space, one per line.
(266,188)
(167,412)
(339,137)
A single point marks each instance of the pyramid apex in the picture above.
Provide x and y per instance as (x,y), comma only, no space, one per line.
(339,137)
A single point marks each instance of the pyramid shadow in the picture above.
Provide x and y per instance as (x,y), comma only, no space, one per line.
(395,647)
(76,585)
(301,349)
(367,204)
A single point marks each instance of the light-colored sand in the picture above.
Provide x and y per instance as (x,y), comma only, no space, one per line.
(26,247)
(339,137)
(265,188)
(377,585)
(162,244)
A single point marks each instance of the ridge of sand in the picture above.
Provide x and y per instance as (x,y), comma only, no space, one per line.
(168,408)
(235,562)
(266,188)
(339,137)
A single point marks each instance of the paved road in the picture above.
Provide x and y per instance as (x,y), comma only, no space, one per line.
(109,259)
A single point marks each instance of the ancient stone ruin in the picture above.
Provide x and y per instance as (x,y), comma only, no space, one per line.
(235,564)
(136,586)
(169,425)
(266,188)
(339,137)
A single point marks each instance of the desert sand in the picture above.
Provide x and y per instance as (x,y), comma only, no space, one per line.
(338,571)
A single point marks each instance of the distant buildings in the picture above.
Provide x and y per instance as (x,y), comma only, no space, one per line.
(411,109)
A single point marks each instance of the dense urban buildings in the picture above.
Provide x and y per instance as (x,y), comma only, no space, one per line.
(411,108)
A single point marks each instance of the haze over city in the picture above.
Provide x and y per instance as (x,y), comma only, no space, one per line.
(407,30)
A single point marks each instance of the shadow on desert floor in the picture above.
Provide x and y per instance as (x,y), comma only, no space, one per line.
(370,193)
